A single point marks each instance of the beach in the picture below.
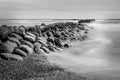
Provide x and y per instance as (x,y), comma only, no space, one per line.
(24,50)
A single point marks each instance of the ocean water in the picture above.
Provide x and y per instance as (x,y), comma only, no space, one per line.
(97,58)
(32,22)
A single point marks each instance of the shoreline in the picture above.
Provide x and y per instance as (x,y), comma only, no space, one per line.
(30,64)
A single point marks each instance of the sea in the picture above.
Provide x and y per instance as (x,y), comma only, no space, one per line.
(33,22)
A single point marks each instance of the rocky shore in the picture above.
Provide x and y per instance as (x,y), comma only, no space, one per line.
(23,49)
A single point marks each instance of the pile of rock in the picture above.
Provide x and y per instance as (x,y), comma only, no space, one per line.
(16,43)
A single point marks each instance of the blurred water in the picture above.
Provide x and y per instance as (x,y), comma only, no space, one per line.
(98,58)
(31,22)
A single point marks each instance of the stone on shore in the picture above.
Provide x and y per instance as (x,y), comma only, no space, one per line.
(9,56)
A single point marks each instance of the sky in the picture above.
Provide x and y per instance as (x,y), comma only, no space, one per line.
(60,9)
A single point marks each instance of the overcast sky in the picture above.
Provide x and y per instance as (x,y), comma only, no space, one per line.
(99,9)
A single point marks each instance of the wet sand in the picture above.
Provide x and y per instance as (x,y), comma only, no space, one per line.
(97,58)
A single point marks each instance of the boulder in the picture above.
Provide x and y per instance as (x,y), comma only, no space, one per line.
(66,45)
(26,49)
(4,48)
(30,34)
(50,46)
(10,46)
(50,39)
(57,48)
(38,50)
(21,30)
(15,35)
(58,42)
(14,40)
(30,38)
(45,49)
(9,56)
(42,39)
(42,42)
(49,33)
(57,34)
(4,31)
(20,52)
(25,42)
(37,44)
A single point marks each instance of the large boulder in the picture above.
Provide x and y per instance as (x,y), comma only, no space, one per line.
(26,49)
(51,46)
(31,34)
(7,47)
(4,48)
(4,31)
(9,56)
(50,39)
(29,38)
(58,42)
(37,48)
(20,52)
(66,45)
(28,43)
(15,35)
(45,49)
(14,40)
(21,30)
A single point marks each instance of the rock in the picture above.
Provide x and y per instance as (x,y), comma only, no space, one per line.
(49,33)
(50,39)
(57,34)
(66,45)
(20,52)
(30,34)
(24,42)
(51,46)
(38,50)
(4,31)
(4,48)
(42,42)
(57,48)
(15,35)
(26,49)
(21,30)
(42,39)
(45,49)
(30,38)
(14,40)
(9,56)
(58,42)
(37,45)
(10,46)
